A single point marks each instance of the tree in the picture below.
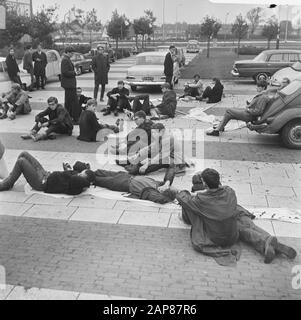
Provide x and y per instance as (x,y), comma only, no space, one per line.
(118,27)
(254,17)
(150,17)
(270,30)
(42,25)
(92,23)
(209,28)
(142,27)
(239,30)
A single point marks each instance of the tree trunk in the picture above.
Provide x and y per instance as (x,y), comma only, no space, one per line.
(208,47)
(238,47)
(136,41)
(91,38)
(269,41)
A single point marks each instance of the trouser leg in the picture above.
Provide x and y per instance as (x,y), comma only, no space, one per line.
(112,104)
(207,93)
(37,81)
(57,129)
(251,234)
(103,88)
(234,114)
(116,181)
(96,87)
(32,170)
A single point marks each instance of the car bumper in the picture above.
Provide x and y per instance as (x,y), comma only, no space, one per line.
(144,83)
(235,73)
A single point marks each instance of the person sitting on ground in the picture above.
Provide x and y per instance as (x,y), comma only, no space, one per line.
(118,99)
(139,137)
(58,121)
(140,187)
(3,167)
(14,102)
(138,103)
(248,114)
(167,108)
(89,126)
(249,232)
(214,94)
(66,182)
(165,151)
(212,215)
(82,99)
(193,89)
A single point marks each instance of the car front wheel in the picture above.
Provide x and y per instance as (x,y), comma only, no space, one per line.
(291,134)
(261,76)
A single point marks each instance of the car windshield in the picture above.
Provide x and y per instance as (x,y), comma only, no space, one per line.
(150,60)
(260,57)
(291,88)
(297,66)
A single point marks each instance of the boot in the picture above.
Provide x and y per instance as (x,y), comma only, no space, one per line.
(40,137)
(269,251)
(286,250)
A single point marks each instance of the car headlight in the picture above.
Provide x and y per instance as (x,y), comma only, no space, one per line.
(130,78)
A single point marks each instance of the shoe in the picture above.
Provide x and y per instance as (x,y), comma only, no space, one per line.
(286,250)
(269,251)
(116,113)
(52,136)
(107,112)
(27,136)
(101,100)
(12,116)
(214,133)
(40,137)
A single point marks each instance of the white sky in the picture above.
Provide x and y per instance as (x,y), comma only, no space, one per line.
(191,11)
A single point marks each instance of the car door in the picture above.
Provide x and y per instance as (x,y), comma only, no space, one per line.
(50,61)
(275,62)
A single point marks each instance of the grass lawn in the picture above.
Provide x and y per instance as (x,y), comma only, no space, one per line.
(219,65)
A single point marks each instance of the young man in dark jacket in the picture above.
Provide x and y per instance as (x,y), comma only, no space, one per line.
(66,182)
(28,65)
(82,99)
(12,67)
(167,108)
(58,121)
(89,125)
(118,99)
(68,82)
(40,62)
(168,65)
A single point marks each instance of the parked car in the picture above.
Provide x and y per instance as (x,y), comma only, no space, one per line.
(81,63)
(293,72)
(264,65)
(193,47)
(148,70)
(283,116)
(53,70)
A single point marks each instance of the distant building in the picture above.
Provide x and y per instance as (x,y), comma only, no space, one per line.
(23,7)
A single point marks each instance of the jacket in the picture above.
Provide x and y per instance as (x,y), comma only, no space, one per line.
(27,61)
(143,131)
(101,67)
(12,66)
(216,93)
(58,116)
(168,65)
(39,66)
(68,75)
(88,126)
(19,99)
(258,104)
(169,104)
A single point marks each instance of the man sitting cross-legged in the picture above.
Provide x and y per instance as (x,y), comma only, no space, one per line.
(140,187)
(253,110)
(58,121)
(89,126)
(220,201)
(193,89)
(66,182)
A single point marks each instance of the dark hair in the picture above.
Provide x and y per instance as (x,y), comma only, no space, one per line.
(211,177)
(120,82)
(166,85)
(170,194)
(140,114)
(158,126)
(79,88)
(172,47)
(196,75)
(91,102)
(262,84)
(52,99)
(29,46)
(217,80)
(90,176)
(69,49)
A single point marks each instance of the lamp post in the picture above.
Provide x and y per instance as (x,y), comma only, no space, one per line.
(178,5)
(163,25)
(227,14)
(286,24)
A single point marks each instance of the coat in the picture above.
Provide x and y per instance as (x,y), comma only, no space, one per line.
(68,75)
(88,126)
(101,67)
(39,66)
(168,65)
(19,99)
(12,66)
(27,61)
(169,104)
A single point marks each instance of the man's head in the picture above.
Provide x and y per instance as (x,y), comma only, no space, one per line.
(28,47)
(89,175)
(172,49)
(39,47)
(197,77)
(79,91)
(11,51)
(16,87)
(91,105)
(165,86)
(139,117)
(170,193)
(120,84)
(197,182)
(210,178)
(69,51)
(100,49)
(261,85)
(52,103)
(285,82)
(158,130)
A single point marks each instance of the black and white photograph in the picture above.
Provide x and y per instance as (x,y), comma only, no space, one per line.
(150,151)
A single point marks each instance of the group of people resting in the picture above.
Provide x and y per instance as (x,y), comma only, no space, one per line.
(217,220)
